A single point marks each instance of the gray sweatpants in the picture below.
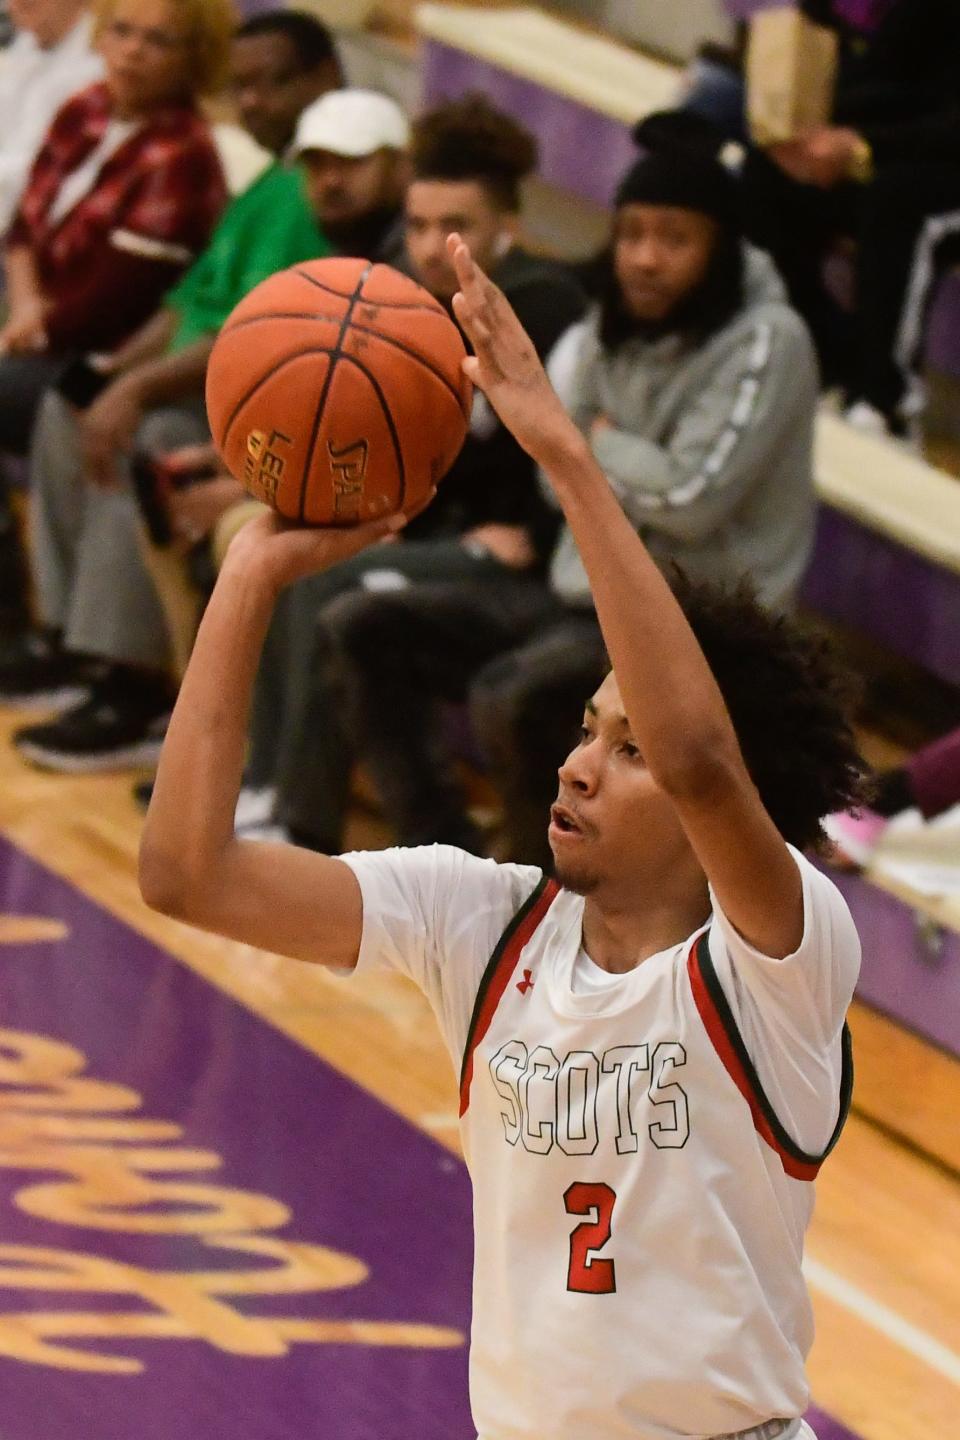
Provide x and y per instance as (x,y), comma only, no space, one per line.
(90,577)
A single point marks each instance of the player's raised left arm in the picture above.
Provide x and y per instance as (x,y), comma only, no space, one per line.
(672,701)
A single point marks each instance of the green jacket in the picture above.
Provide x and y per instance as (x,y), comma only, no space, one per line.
(267,228)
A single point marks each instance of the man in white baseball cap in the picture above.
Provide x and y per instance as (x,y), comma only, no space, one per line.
(352,145)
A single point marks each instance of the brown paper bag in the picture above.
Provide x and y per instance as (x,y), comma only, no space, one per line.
(791,74)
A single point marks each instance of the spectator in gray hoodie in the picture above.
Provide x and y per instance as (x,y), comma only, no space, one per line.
(697,384)
(695,381)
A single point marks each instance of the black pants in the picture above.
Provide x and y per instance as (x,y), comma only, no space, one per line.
(295,651)
(384,668)
(23,380)
(797,225)
(909,230)
(896,246)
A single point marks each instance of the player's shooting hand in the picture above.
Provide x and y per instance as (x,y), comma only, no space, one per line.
(280,553)
(505,364)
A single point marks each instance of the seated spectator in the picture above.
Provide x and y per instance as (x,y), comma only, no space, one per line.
(280,63)
(80,464)
(928,782)
(887,165)
(124,193)
(488,532)
(352,146)
(697,385)
(50,59)
(104,643)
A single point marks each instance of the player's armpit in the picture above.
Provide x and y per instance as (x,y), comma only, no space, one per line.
(275,897)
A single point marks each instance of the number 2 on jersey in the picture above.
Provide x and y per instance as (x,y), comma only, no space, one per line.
(590,1276)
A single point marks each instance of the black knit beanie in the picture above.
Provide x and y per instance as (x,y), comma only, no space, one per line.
(680,164)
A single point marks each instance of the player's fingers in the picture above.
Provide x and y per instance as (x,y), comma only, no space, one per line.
(470,277)
(360,536)
(474,322)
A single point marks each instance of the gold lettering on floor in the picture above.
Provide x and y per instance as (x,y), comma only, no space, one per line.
(30,929)
(121,1173)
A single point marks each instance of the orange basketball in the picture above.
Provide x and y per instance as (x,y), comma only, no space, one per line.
(335,392)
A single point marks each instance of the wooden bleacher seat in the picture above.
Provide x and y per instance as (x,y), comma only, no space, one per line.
(887,555)
(892,492)
(589,68)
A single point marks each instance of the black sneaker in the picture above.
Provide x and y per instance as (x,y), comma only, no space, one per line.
(34,671)
(109,731)
(143,794)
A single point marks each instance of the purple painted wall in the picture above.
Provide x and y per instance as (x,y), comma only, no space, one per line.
(911,967)
(874,585)
(743,9)
(580,150)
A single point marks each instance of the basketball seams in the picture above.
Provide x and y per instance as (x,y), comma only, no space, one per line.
(336,346)
(247,320)
(335,354)
(391,423)
(354,325)
(414,355)
(275,370)
(366,372)
(436,309)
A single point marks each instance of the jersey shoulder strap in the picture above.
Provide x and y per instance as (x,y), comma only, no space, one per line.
(721,1028)
(496,977)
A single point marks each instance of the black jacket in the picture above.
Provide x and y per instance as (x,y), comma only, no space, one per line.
(900,86)
(492,480)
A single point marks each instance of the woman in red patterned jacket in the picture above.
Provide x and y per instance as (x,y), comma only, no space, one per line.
(122,196)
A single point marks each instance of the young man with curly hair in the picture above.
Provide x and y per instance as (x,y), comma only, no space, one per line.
(652,1047)
(695,386)
(487,536)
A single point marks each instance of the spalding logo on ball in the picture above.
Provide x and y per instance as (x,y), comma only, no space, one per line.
(336,393)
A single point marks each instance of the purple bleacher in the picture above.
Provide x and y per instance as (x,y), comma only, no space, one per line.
(581,150)
(853,573)
(743,9)
(911,966)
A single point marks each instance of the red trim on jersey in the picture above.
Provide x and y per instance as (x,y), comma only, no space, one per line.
(499,980)
(719,1038)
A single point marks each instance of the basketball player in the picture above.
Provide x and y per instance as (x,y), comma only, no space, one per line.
(652,1048)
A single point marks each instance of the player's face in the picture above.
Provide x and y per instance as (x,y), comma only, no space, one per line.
(345,188)
(270,87)
(146,48)
(438,208)
(660,254)
(612,824)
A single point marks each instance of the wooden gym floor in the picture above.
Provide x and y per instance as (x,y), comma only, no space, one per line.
(232,1203)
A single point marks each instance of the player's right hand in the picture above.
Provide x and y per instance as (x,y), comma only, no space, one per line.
(281,553)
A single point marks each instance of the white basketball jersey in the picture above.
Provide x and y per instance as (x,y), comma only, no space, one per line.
(639,1210)
(639,1207)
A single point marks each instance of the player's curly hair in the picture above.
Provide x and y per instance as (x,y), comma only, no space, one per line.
(469,139)
(789,703)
